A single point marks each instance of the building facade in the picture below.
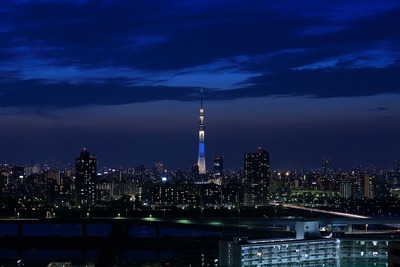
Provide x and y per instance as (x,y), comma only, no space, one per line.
(218,165)
(256,178)
(310,249)
(299,251)
(85,179)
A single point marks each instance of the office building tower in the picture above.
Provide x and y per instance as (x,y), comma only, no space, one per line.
(85,178)
(218,165)
(367,186)
(55,176)
(357,170)
(32,169)
(346,187)
(201,162)
(256,178)
(325,166)
(397,168)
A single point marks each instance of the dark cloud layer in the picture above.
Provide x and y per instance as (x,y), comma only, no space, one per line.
(35,93)
(317,83)
(282,45)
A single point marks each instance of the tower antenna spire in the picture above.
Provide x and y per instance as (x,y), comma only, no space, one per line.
(201,98)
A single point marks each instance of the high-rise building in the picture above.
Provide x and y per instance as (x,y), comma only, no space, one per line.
(218,165)
(325,166)
(397,168)
(85,178)
(256,178)
(368,186)
(346,187)
(201,162)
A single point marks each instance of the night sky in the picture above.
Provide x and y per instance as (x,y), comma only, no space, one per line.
(305,80)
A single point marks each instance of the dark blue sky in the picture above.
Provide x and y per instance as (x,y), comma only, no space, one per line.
(302,79)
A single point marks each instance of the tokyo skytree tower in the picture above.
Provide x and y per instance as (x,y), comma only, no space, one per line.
(201,162)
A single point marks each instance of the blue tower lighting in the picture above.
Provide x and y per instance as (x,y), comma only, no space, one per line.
(201,162)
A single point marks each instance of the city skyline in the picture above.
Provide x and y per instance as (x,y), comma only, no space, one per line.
(304,81)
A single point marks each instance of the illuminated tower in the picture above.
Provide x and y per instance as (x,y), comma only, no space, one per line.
(201,162)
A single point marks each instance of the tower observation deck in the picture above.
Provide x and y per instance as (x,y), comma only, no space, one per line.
(201,162)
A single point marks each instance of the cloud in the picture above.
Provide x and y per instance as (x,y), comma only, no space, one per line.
(118,91)
(73,53)
(36,93)
(334,83)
